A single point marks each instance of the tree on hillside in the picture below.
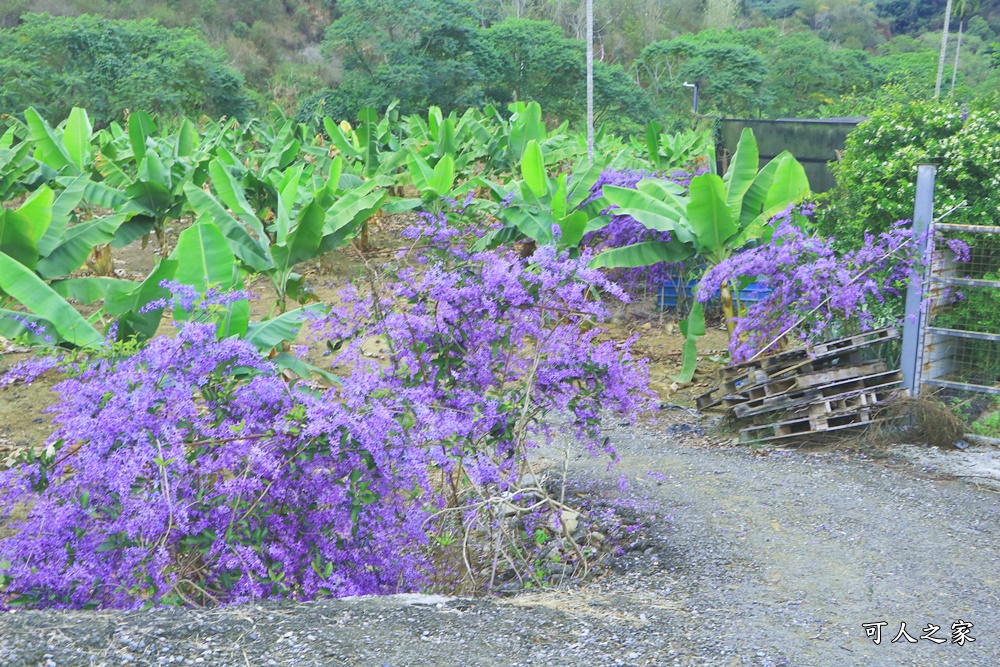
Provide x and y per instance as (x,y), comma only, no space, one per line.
(909,16)
(420,51)
(730,75)
(106,66)
(804,73)
(720,14)
(525,60)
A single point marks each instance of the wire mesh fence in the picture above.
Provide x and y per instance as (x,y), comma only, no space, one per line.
(961,347)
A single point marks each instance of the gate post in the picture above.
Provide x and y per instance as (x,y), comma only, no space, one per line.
(923,218)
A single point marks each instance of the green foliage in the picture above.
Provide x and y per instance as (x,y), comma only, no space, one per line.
(431,53)
(549,211)
(751,72)
(419,51)
(877,174)
(531,60)
(719,215)
(55,63)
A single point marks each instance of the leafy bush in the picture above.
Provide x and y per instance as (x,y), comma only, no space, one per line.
(56,63)
(876,179)
(192,473)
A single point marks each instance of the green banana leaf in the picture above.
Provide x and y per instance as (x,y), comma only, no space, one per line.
(304,240)
(205,260)
(21,283)
(12,325)
(16,238)
(692,329)
(708,214)
(76,244)
(140,127)
(49,149)
(533,169)
(742,172)
(284,328)
(253,252)
(662,215)
(62,211)
(76,137)
(647,253)
(89,290)
(127,305)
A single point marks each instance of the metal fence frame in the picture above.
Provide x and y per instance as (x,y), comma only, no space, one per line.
(929,352)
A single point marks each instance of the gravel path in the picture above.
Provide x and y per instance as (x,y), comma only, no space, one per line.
(754,561)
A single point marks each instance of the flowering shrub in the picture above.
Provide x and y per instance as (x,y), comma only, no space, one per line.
(482,350)
(813,287)
(191,473)
(876,179)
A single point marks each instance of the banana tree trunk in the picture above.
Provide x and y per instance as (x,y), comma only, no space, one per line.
(363,243)
(728,310)
(100,260)
(160,231)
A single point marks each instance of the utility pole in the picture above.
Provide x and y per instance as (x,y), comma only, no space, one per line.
(944,49)
(590,80)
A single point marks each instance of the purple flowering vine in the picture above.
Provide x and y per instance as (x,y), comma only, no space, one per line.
(192,473)
(813,287)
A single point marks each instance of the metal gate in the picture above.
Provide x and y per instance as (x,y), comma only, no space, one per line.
(952,336)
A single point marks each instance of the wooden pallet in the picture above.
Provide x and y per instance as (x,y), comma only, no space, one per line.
(806,426)
(809,392)
(745,378)
(796,398)
(794,357)
(816,437)
(780,386)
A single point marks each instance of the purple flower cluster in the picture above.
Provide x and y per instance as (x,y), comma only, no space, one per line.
(192,473)
(813,287)
(480,349)
(961,250)
(36,328)
(188,297)
(29,370)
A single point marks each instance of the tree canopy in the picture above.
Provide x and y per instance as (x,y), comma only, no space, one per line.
(108,67)
(773,58)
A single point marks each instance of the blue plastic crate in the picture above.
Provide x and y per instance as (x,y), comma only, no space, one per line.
(670,293)
(753,293)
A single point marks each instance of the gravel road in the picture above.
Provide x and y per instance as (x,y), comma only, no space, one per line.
(753,561)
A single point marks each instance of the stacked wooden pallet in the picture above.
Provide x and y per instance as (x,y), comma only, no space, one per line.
(816,392)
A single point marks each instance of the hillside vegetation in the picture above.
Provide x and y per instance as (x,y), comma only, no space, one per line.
(766,58)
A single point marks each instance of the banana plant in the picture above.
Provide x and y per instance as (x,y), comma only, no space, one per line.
(718,216)
(150,172)
(371,150)
(326,219)
(667,152)
(546,210)
(40,235)
(16,166)
(65,151)
(433,183)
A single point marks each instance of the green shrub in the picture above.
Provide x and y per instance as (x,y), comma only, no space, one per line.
(876,179)
(56,63)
